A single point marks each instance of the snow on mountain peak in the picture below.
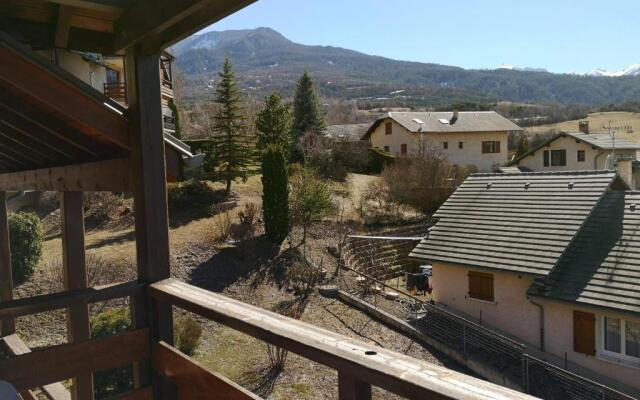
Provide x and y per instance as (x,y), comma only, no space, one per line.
(633,70)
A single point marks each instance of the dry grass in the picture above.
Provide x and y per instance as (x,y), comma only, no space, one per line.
(596,123)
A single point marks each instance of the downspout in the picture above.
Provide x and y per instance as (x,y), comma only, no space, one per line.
(541,322)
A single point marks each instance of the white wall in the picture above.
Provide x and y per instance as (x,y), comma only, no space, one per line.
(513,313)
(470,154)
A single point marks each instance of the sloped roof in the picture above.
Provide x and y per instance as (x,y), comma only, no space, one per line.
(438,122)
(602,266)
(346,132)
(520,222)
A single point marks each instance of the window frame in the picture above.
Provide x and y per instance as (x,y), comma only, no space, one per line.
(461,145)
(622,357)
(445,145)
(403,149)
(387,149)
(581,156)
(481,296)
(388,128)
(491,147)
(548,161)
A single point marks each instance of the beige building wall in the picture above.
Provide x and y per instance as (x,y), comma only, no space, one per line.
(513,313)
(594,158)
(91,73)
(470,154)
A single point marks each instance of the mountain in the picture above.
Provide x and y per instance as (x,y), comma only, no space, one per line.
(633,70)
(265,61)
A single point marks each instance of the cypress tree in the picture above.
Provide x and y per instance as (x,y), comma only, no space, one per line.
(275,194)
(307,113)
(273,123)
(233,146)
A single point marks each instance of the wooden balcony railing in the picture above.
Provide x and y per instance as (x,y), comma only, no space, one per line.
(359,365)
(117,91)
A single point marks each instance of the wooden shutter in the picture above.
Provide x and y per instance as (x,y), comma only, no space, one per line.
(388,128)
(498,147)
(485,145)
(481,286)
(584,333)
(545,158)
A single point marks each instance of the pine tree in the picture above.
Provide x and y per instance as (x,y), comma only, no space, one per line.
(307,113)
(273,123)
(275,194)
(231,142)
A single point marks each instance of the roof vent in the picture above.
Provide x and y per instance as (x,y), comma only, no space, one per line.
(489,185)
(527,185)
(418,121)
(633,207)
(570,185)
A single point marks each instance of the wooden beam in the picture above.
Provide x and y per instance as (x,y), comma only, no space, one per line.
(61,362)
(75,278)
(209,14)
(110,176)
(191,378)
(398,373)
(45,84)
(150,199)
(137,394)
(109,6)
(15,347)
(55,301)
(63,26)
(7,324)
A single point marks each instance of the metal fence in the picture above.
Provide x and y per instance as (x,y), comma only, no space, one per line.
(510,357)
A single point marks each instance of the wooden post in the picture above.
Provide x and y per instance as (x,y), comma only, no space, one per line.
(7,326)
(75,277)
(349,388)
(150,201)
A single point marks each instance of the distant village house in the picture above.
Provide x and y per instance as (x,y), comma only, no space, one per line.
(477,138)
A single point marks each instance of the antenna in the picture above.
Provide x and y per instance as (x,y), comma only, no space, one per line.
(612,133)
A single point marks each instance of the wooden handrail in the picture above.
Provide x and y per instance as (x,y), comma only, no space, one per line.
(367,364)
(56,301)
(58,363)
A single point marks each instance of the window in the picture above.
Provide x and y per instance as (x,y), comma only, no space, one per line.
(386,148)
(581,156)
(113,76)
(388,128)
(554,158)
(481,286)
(490,147)
(620,338)
(445,145)
(403,149)
(460,145)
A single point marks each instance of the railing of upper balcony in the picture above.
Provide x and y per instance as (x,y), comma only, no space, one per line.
(117,91)
(359,365)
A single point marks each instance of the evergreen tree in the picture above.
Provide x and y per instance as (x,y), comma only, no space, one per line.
(523,146)
(275,194)
(232,145)
(273,123)
(307,113)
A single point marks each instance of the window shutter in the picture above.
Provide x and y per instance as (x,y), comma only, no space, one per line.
(498,147)
(388,128)
(545,158)
(481,286)
(584,333)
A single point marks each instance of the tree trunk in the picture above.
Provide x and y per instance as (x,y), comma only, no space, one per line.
(228,190)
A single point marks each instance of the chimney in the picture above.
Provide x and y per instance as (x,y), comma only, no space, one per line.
(583,126)
(454,118)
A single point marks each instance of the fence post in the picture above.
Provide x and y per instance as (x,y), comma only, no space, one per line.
(464,338)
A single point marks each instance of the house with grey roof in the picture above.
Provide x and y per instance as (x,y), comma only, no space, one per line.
(470,138)
(552,258)
(581,151)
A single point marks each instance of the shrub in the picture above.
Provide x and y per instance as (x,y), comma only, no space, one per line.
(223,225)
(275,194)
(118,380)
(100,207)
(310,200)
(187,332)
(424,181)
(378,159)
(26,235)
(191,194)
(303,278)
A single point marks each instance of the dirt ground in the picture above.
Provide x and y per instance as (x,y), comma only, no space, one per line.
(598,123)
(253,274)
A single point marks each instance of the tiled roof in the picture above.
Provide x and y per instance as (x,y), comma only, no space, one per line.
(520,222)
(438,122)
(347,132)
(605,141)
(602,266)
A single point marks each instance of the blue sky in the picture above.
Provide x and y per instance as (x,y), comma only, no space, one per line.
(559,35)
